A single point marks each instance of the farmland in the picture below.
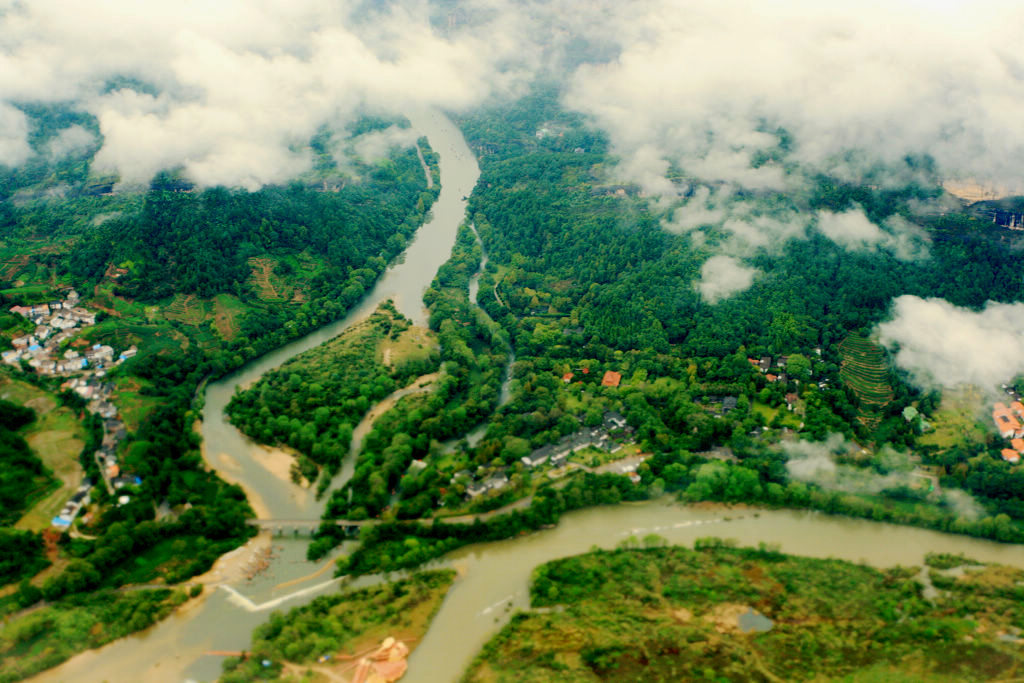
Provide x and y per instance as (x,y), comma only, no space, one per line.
(865,370)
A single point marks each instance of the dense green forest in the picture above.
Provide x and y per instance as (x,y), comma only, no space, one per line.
(583,279)
(23,476)
(201,281)
(473,353)
(722,613)
(313,401)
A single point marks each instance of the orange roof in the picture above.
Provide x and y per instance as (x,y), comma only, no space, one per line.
(1010,456)
(999,406)
(1007,422)
(771,378)
(1018,445)
(113,471)
(1017,407)
(567,377)
(586,371)
(611,379)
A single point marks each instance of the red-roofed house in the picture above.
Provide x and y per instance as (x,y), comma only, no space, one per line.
(1018,445)
(567,377)
(771,378)
(1011,455)
(611,379)
(1006,423)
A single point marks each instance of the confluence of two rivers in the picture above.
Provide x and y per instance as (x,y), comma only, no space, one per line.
(493,577)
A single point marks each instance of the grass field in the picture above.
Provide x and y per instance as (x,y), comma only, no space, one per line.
(226,312)
(865,370)
(132,405)
(57,437)
(958,421)
(415,343)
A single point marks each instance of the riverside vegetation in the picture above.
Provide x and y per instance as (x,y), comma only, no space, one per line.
(582,280)
(341,625)
(312,402)
(201,282)
(723,613)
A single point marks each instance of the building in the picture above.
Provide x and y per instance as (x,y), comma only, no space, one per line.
(1011,456)
(538,457)
(1007,425)
(611,379)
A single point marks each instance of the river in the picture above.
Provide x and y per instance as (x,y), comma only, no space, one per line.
(493,577)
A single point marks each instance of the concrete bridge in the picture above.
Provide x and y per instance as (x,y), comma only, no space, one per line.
(306,526)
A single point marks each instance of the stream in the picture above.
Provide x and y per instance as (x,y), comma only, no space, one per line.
(493,578)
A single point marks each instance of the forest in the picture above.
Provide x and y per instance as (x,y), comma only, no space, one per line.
(313,401)
(586,281)
(742,614)
(147,261)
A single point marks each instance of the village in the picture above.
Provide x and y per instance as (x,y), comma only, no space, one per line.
(1008,423)
(610,436)
(57,322)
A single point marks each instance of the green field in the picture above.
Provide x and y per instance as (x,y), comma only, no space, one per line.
(865,370)
(725,614)
(957,422)
(57,437)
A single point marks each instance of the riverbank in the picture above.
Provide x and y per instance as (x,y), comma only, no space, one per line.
(697,610)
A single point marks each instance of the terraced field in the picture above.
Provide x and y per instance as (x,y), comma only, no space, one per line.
(267,284)
(187,309)
(865,369)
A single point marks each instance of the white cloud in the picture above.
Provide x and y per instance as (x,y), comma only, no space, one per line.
(722,276)
(855,231)
(703,86)
(14,148)
(71,141)
(377,144)
(942,345)
(243,85)
(814,463)
(708,84)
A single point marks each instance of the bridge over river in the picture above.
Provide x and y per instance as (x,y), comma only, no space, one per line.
(296,526)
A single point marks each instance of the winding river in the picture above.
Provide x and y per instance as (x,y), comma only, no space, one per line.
(493,578)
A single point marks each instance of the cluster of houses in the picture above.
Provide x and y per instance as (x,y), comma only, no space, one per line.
(610,378)
(476,488)
(71,509)
(556,454)
(1008,424)
(57,322)
(97,393)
